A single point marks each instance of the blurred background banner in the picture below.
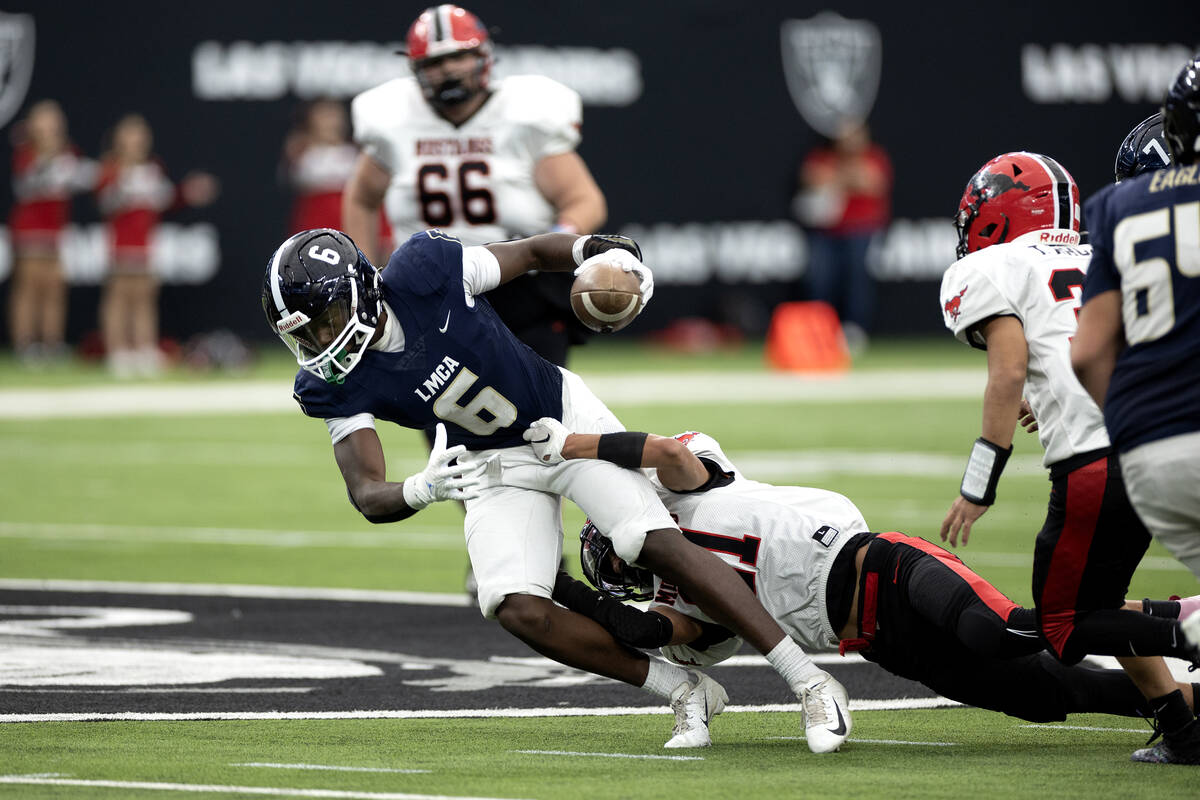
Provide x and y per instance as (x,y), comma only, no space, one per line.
(697,115)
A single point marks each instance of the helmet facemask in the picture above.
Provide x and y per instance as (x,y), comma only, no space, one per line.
(609,573)
(332,344)
(454,90)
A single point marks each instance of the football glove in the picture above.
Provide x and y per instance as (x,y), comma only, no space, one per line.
(441,480)
(629,263)
(547,437)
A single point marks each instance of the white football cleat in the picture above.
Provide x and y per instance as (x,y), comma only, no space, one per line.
(826,713)
(695,702)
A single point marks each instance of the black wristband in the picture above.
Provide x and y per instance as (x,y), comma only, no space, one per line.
(598,243)
(623,449)
(984,466)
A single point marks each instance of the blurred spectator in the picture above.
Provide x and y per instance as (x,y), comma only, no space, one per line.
(133,191)
(47,170)
(318,160)
(844,201)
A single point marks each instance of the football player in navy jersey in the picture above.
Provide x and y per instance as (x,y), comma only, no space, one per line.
(1139,329)
(416,344)
(1137,349)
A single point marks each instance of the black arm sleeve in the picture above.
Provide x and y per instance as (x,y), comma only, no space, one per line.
(627,624)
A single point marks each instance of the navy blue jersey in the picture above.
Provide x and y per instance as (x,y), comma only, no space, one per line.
(460,364)
(1146,243)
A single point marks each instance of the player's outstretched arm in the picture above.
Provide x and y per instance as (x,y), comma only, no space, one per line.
(679,469)
(1097,343)
(559,252)
(360,458)
(1008,359)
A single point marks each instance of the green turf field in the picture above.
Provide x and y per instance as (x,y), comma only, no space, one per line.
(257,499)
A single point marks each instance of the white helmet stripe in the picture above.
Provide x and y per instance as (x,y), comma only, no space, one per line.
(275,280)
(444,30)
(1062,190)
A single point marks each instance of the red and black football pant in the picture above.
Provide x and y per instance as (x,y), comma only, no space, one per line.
(1086,553)
(925,616)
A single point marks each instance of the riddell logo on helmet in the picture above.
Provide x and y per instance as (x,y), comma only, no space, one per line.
(292,321)
(1059,237)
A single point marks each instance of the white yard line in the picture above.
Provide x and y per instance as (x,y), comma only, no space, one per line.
(269,791)
(1085,728)
(686,388)
(607,755)
(333,768)
(876,741)
(237,590)
(467,713)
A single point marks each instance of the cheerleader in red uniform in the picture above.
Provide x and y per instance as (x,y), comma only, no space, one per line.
(133,192)
(47,170)
(318,158)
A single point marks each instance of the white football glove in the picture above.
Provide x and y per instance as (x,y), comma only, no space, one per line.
(629,263)
(547,437)
(441,480)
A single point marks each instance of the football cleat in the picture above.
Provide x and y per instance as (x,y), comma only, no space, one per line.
(1182,747)
(826,713)
(695,702)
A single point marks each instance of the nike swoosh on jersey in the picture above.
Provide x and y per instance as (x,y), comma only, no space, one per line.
(447,324)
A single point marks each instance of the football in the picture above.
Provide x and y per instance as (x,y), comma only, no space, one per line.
(605,297)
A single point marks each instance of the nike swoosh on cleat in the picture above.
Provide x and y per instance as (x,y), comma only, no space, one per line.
(447,325)
(841,726)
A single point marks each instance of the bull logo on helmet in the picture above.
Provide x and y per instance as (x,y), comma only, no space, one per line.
(832,67)
(16,62)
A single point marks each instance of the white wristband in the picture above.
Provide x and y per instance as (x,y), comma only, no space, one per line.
(416,493)
(577,250)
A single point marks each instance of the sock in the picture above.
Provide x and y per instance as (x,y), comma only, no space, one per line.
(1172,712)
(1187,606)
(1171,609)
(792,663)
(663,677)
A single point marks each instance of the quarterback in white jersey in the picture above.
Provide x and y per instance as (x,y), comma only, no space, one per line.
(1015,292)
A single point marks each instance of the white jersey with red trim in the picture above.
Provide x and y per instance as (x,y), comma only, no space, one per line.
(782,539)
(473,181)
(1037,278)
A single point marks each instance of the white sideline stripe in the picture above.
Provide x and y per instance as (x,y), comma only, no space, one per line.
(686,388)
(237,590)
(606,755)
(464,713)
(270,791)
(332,768)
(172,690)
(450,539)
(1085,728)
(877,741)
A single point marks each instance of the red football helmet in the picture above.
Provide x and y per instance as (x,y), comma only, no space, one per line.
(1013,194)
(442,31)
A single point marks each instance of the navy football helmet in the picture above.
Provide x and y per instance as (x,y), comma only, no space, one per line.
(1144,150)
(607,572)
(321,297)
(1181,114)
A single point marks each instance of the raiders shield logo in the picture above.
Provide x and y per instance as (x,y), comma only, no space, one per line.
(832,66)
(16,62)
